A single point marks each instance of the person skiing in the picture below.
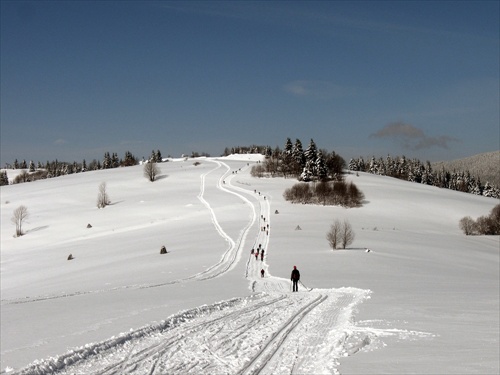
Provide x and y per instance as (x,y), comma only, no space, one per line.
(295,277)
(262,272)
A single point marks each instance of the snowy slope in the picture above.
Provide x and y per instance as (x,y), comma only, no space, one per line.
(425,299)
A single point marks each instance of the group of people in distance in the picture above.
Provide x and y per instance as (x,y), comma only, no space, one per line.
(294,277)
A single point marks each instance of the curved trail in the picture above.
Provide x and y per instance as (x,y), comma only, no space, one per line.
(228,260)
(271,331)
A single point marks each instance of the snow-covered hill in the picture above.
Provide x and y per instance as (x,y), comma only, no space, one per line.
(424,299)
(485,166)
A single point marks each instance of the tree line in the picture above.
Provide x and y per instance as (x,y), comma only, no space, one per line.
(415,171)
(56,168)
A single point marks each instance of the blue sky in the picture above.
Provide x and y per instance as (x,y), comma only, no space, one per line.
(360,78)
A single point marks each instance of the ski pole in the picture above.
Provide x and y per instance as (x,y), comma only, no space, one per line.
(305,286)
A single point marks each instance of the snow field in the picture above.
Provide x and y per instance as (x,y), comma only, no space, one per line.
(434,292)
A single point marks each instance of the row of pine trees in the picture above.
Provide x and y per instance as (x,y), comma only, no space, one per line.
(415,171)
(57,168)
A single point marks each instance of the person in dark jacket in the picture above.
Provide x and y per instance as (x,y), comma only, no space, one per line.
(295,277)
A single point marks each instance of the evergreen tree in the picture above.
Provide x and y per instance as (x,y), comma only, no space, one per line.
(307,174)
(373,166)
(353,165)
(321,168)
(106,162)
(287,158)
(311,154)
(488,190)
(129,159)
(115,161)
(299,160)
(158,156)
(32,166)
(4,180)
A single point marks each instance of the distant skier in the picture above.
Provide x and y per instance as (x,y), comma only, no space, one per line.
(251,252)
(295,277)
(262,256)
(262,272)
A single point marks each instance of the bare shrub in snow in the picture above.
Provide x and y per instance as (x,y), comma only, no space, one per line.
(18,218)
(257,171)
(151,170)
(299,193)
(102,196)
(325,193)
(333,235)
(346,234)
(467,225)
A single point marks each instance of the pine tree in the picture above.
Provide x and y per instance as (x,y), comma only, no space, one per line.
(287,158)
(488,190)
(158,157)
(311,154)
(307,173)
(321,168)
(106,162)
(4,180)
(115,161)
(299,160)
(373,166)
(32,166)
(353,165)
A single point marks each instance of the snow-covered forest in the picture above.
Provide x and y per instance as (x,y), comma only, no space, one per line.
(416,171)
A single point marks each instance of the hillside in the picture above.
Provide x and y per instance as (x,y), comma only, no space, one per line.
(486,166)
(424,299)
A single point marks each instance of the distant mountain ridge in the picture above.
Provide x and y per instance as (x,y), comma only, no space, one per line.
(486,166)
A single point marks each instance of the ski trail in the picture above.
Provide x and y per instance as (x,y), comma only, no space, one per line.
(270,331)
(232,255)
(228,260)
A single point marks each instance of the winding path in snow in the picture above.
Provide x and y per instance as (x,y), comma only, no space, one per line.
(271,331)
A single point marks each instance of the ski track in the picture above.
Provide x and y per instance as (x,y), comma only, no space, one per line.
(271,331)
